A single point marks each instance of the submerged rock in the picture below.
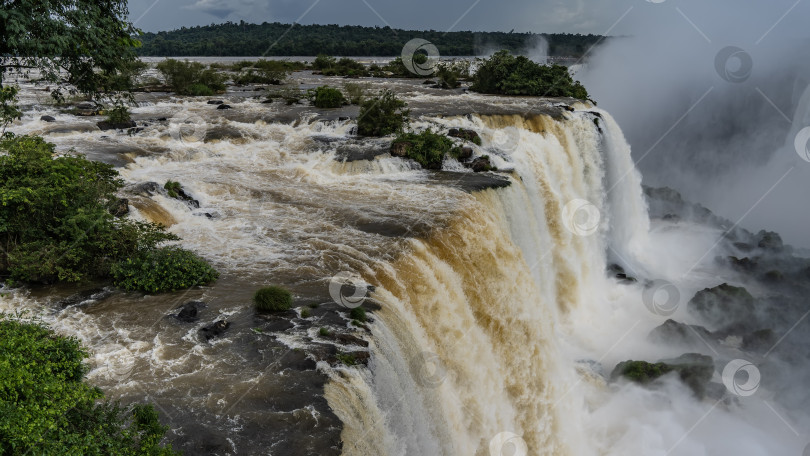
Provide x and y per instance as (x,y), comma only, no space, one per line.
(105,125)
(224,106)
(189,311)
(47,119)
(215,329)
(84,297)
(215,102)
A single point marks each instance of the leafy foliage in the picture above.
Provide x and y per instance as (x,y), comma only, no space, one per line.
(273,298)
(46,408)
(506,74)
(191,78)
(427,148)
(242,38)
(55,222)
(355,93)
(8,108)
(173,188)
(382,115)
(118,114)
(359,314)
(162,269)
(323,62)
(84,43)
(326,97)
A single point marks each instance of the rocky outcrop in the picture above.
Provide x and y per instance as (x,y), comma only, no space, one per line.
(224,106)
(723,306)
(465,134)
(105,125)
(47,118)
(400,149)
(672,332)
(481,164)
(215,329)
(215,102)
(189,311)
(693,369)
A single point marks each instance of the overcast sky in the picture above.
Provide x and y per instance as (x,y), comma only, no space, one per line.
(583,16)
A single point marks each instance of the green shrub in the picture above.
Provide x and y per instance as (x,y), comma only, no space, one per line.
(305,313)
(118,114)
(358,313)
(267,72)
(189,78)
(398,68)
(326,97)
(273,298)
(55,220)
(323,332)
(355,93)
(506,74)
(346,67)
(9,111)
(163,269)
(47,408)
(323,61)
(125,77)
(448,79)
(346,358)
(382,115)
(173,188)
(427,148)
(289,95)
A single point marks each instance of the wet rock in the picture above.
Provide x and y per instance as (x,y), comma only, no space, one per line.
(85,297)
(224,106)
(722,306)
(146,189)
(47,119)
(215,102)
(428,81)
(466,153)
(465,134)
(672,332)
(120,208)
(768,240)
(773,276)
(693,369)
(215,329)
(400,149)
(345,339)
(104,125)
(178,192)
(617,271)
(481,164)
(343,118)
(222,133)
(189,311)
(742,264)
(85,105)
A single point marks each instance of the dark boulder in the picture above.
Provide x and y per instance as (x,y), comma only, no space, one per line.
(742,264)
(146,189)
(617,271)
(465,134)
(215,102)
(768,240)
(189,311)
(215,329)
(104,125)
(224,106)
(47,118)
(466,153)
(481,164)
(722,306)
(759,341)
(85,297)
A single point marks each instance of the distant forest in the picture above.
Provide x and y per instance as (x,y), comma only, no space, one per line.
(276,39)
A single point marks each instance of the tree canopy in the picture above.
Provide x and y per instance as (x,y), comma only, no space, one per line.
(507,74)
(277,39)
(82,43)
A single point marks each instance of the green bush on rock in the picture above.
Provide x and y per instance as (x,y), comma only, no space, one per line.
(506,74)
(273,299)
(47,408)
(382,115)
(163,269)
(191,78)
(426,148)
(326,97)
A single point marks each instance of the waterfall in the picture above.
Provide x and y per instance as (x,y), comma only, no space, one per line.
(465,340)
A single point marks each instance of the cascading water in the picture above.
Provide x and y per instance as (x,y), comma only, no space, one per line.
(496,320)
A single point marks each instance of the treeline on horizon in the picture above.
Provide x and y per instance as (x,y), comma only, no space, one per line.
(277,39)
